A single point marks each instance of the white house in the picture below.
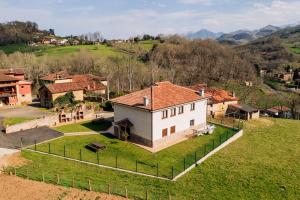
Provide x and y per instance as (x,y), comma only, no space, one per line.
(159,113)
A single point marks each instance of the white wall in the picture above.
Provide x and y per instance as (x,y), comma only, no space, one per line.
(139,118)
(181,121)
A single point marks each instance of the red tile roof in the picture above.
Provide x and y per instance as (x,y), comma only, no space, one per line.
(74,86)
(161,95)
(56,76)
(216,95)
(16,71)
(5,78)
(87,77)
(281,108)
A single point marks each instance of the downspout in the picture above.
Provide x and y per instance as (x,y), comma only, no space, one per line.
(151,112)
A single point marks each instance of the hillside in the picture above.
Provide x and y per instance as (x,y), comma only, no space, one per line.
(277,50)
(262,164)
(17,32)
(190,62)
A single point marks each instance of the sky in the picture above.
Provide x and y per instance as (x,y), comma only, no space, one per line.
(126,18)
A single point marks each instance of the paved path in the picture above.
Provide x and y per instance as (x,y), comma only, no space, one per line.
(4,152)
(28,137)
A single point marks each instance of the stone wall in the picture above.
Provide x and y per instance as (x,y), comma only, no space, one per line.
(45,121)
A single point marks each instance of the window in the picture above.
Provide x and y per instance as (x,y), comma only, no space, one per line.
(173,129)
(173,112)
(193,106)
(192,122)
(164,132)
(22,86)
(181,110)
(164,114)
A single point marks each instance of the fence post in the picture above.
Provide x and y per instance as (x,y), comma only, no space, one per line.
(108,188)
(64,150)
(49,148)
(169,194)
(157,169)
(57,179)
(126,192)
(35,145)
(172,172)
(98,161)
(213,143)
(116,161)
(73,182)
(136,165)
(80,155)
(43,177)
(90,185)
(183,164)
(196,158)
(21,142)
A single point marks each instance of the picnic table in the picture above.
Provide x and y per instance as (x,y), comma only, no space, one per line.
(94,146)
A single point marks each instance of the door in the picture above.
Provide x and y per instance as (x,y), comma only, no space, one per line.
(165,132)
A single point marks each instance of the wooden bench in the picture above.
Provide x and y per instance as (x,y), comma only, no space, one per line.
(94,146)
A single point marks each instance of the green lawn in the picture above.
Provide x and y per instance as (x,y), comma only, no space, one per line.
(86,126)
(127,154)
(263,164)
(16,120)
(295,50)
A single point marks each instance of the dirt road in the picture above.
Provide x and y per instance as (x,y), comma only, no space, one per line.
(15,188)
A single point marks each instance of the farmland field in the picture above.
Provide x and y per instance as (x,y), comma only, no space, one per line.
(263,164)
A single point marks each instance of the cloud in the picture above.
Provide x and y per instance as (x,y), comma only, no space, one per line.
(204,2)
(126,22)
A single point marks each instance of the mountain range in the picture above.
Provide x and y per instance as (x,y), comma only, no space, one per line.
(236,37)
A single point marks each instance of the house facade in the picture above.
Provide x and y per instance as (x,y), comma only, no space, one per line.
(60,83)
(159,113)
(14,90)
(219,100)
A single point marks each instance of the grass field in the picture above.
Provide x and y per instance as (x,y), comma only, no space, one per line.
(295,50)
(263,164)
(128,153)
(98,50)
(86,126)
(15,120)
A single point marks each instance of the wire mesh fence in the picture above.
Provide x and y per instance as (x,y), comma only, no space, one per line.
(143,167)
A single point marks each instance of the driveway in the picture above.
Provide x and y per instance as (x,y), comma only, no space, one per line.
(22,111)
(27,137)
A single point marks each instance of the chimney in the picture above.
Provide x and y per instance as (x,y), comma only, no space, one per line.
(202,92)
(146,101)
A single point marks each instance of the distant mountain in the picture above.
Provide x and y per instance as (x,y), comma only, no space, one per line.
(274,51)
(203,34)
(245,36)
